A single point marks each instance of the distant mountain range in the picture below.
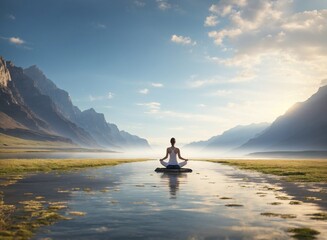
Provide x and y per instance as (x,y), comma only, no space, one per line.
(302,128)
(230,139)
(33,107)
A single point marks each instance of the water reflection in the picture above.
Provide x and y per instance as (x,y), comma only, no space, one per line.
(203,204)
(173,181)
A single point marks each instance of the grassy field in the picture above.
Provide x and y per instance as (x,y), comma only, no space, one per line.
(290,170)
(19,166)
(9,142)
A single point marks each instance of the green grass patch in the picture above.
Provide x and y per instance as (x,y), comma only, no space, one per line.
(303,233)
(281,215)
(309,170)
(318,216)
(19,166)
(234,205)
(21,221)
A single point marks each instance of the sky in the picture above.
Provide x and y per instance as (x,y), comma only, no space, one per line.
(188,69)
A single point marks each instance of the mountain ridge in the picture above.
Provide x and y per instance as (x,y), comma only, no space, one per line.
(105,133)
(33,106)
(302,127)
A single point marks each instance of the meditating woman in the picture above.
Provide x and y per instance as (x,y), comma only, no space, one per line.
(172,152)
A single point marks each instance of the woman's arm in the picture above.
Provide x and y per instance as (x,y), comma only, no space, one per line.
(165,156)
(179,155)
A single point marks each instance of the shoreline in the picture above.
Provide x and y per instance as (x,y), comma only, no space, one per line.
(292,179)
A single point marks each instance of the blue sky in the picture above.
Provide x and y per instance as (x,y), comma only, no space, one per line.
(159,68)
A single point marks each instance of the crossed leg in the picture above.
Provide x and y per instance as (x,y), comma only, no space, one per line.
(182,164)
(165,164)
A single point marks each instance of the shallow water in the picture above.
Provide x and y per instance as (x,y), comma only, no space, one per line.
(142,204)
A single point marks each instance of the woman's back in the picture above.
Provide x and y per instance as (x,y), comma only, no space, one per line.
(172,155)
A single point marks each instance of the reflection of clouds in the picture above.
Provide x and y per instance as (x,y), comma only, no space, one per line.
(258,232)
(243,191)
(173,180)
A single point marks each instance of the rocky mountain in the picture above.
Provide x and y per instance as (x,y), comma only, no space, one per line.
(133,141)
(302,127)
(60,97)
(231,138)
(24,103)
(106,134)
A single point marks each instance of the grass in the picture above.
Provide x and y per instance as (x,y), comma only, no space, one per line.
(281,215)
(20,166)
(21,221)
(318,216)
(10,142)
(291,170)
(303,233)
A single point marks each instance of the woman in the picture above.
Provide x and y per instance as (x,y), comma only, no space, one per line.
(173,151)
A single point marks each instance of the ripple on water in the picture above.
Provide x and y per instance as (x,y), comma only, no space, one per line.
(131,200)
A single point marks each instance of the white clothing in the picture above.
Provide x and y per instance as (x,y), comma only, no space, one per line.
(173,159)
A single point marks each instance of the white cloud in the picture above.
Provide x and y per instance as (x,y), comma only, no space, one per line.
(182,40)
(197,83)
(157,85)
(139,3)
(16,40)
(152,107)
(219,36)
(163,5)
(244,76)
(93,98)
(211,21)
(110,95)
(267,34)
(144,91)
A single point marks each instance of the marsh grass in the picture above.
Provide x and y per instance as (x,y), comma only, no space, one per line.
(234,205)
(19,166)
(303,233)
(21,221)
(310,170)
(281,215)
(318,216)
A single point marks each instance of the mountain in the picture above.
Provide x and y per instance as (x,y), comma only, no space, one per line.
(106,134)
(95,123)
(302,127)
(34,108)
(60,97)
(133,141)
(231,138)
(24,103)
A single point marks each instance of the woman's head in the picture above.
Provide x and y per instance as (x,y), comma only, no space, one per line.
(172,141)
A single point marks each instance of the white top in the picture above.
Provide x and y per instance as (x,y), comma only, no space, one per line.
(172,157)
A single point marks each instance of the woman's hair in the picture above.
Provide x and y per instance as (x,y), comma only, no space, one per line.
(172,141)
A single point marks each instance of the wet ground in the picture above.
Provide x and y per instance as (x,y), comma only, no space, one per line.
(131,201)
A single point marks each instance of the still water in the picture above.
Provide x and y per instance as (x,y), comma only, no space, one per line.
(212,202)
